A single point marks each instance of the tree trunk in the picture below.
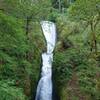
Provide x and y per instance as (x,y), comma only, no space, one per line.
(27,25)
(94,41)
(59,1)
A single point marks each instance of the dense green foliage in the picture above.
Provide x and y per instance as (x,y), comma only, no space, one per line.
(76,66)
(89,12)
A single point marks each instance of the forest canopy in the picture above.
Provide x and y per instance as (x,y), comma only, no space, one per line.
(76,64)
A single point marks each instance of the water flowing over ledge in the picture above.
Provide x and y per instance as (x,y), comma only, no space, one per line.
(44,89)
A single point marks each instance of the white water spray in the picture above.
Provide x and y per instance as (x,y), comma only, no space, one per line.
(44,89)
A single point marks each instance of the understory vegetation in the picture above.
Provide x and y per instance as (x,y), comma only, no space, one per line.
(76,64)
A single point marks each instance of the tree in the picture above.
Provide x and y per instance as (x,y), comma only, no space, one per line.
(28,10)
(88,11)
(61,5)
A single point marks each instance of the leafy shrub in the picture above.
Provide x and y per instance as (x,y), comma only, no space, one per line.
(9,92)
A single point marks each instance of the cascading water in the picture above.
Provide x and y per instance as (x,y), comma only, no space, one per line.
(44,89)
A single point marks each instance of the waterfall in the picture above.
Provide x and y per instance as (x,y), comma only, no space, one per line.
(44,88)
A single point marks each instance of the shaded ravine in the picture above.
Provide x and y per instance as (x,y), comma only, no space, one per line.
(45,88)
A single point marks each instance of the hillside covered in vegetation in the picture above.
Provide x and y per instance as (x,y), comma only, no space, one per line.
(76,65)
